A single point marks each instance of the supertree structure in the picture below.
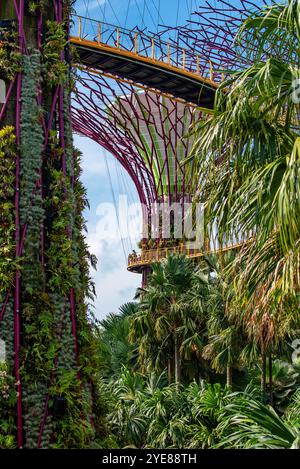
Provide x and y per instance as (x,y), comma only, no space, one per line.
(44,278)
(145,130)
(50,397)
(149,131)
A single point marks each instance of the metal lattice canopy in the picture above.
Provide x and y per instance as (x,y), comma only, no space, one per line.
(147,132)
(211,33)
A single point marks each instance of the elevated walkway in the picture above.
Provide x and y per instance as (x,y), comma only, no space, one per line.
(136,263)
(142,59)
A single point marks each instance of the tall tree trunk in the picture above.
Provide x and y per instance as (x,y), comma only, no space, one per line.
(177,360)
(271,379)
(263,375)
(229,376)
(170,371)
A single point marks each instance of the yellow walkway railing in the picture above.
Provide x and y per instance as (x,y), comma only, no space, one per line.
(129,43)
(147,257)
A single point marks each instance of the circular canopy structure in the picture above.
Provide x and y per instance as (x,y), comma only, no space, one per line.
(147,132)
(134,94)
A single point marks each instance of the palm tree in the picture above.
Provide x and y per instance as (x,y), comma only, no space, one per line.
(146,412)
(114,348)
(168,322)
(225,338)
(249,424)
(248,155)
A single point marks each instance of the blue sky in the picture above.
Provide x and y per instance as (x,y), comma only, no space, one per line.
(144,13)
(114,285)
(101,173)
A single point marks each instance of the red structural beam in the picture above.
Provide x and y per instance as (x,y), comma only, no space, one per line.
(56,115)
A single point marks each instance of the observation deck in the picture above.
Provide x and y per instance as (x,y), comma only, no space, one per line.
(138,262)
(143,60)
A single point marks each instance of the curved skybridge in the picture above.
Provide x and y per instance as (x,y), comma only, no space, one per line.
(138,261)
(141,59)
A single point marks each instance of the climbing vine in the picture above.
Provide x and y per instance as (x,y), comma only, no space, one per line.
(37,319)
(68,259)
(56,70)
(52,371)
(37,5)
(41,5)
(7,404)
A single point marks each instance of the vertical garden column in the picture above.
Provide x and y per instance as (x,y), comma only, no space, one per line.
(44,282)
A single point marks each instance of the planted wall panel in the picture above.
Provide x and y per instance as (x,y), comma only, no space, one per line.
(46,381)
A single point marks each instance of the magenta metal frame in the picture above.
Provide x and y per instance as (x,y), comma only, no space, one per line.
(56,115)
(211,34)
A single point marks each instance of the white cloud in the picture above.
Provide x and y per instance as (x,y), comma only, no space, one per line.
(114,284)
(104,237)
(113,290)
(123,221)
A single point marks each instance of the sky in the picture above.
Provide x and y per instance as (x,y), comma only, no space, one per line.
(103,177)
(144,13)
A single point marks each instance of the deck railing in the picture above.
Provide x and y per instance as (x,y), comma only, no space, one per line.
(137,42)
(147,257)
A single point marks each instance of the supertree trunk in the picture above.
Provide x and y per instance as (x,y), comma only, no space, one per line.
(44,276)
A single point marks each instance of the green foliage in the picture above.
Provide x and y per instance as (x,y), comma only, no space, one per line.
(67,259)
(145,412)
(55,261)
(8,398)
(249,424)
(228,347)
(170,315)
(114,348)
(36,5)
(42,5)
(10,57)
(7,222)
(188,304)
(31,205)
(38,315)
(52,265)
(74,430)
(56,70)
(8,266)
(59,254)
(286,381)
(247,153)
